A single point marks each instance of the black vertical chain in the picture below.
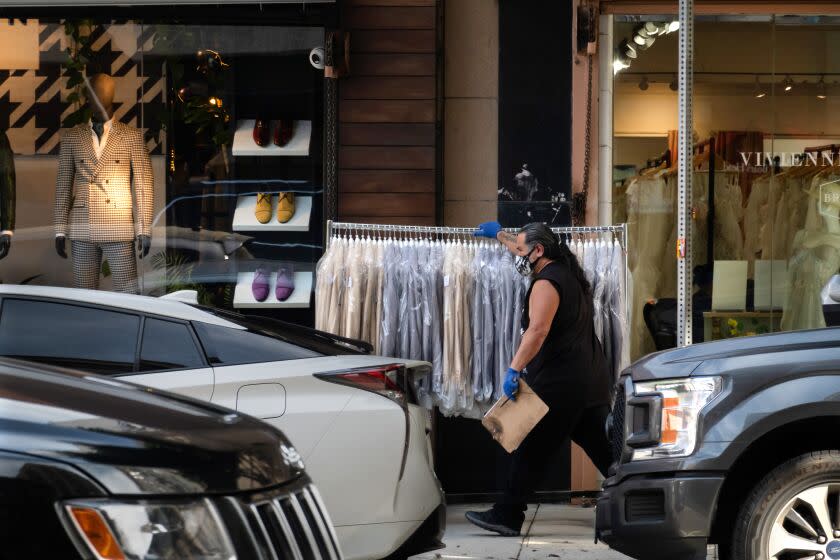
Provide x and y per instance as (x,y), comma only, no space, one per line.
(579,199)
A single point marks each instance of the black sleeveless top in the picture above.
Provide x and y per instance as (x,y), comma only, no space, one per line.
(571,362)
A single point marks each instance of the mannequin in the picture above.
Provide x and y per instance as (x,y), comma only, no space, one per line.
(104,193)
(7,195)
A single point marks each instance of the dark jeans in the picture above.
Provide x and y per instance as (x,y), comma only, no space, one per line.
(585,426)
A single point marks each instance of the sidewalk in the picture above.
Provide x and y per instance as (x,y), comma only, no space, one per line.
(550,531)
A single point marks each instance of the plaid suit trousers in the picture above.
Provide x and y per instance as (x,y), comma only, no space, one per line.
(87,262)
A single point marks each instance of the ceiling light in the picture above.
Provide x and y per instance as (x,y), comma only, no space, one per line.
(822,92)
(673,27)
(645,44)
(644,84)
(758,92)
(618,66)
(641,30)
(788,84)
(628,49)
(675,84)
(620,62)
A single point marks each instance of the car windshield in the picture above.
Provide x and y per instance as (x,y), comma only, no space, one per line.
(318,341)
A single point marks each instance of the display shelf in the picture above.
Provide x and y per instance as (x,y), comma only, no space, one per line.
(245,220)
(244,145)
(243,298)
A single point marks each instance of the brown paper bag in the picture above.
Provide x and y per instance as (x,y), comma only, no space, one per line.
(510,421)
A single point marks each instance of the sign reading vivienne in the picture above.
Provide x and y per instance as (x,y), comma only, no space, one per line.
(789,159)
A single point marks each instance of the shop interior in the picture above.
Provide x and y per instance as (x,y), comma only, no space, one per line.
(765,241)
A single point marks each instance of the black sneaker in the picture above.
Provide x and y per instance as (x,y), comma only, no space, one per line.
(491,520)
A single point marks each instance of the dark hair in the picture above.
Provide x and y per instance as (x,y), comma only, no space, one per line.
(537,233)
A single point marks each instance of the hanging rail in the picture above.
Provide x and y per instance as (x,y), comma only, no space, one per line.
(348,226)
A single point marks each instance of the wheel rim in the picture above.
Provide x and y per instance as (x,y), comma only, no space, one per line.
(808,526)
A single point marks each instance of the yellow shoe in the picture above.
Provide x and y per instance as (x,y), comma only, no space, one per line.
(263,210)
(285,207)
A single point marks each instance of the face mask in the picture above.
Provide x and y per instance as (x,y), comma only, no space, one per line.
(523,264)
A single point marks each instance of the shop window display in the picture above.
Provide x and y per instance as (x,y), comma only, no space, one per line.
(156,156)
(765,170)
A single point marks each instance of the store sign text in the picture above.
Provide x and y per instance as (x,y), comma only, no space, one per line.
(788,159)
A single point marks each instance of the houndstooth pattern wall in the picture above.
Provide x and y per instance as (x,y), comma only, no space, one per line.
(33,91)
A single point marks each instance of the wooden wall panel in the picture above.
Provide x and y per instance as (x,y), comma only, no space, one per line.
(391,111)
(388,204)
(388,116)
(392,42)
(379,17)
(387,134)
(386,157)
(427,3)
(394,65)
(391,87)
(386,180)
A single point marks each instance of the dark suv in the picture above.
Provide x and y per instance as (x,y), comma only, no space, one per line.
(735,443)
(94,468)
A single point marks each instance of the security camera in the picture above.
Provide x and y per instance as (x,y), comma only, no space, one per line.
(317,58)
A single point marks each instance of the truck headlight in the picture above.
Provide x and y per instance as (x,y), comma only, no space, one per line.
(145,530)
(674,408)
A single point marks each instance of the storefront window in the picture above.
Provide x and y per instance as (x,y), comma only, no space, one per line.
(209,156)
(764,213)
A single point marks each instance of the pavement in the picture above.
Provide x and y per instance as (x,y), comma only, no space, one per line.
(550,531)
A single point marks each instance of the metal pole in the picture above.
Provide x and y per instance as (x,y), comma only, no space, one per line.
(686,145)
(605,121)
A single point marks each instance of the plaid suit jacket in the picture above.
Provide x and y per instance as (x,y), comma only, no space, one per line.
(94,198)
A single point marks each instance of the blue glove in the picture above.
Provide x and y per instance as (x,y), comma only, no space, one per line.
(511,385)
(488,229)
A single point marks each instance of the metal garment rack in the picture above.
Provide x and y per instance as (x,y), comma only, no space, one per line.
(332,227)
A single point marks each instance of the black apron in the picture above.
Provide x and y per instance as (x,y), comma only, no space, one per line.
(570,365)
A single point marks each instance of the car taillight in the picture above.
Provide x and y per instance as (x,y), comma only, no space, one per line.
(390,381)
(382,380)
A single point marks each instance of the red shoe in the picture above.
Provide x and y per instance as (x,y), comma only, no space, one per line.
(262,132)
(284,132)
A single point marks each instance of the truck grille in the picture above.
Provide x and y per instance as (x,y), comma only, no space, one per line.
(290,525)
(617,427)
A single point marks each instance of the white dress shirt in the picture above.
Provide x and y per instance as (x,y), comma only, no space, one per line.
(99,144)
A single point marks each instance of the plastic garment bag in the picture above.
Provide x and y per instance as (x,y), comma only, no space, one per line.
(370,293)
(388,335)
(600,262)
(335,282)
(322,273)
(446,396)
(355,285)
(479,332)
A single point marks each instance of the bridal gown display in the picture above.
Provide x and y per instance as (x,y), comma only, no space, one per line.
(456,303)
(816,254)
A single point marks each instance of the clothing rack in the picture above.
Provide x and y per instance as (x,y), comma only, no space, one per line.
(619,231)
(699,148)
(656,162)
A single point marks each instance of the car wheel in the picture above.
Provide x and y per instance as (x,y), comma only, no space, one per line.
(793,513)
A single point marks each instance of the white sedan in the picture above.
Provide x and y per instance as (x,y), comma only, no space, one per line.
(350,415)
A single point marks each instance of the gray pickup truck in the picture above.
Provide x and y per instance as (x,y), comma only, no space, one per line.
(734,443)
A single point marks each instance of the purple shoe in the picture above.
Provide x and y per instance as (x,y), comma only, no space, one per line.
(259,286)
(285,282)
